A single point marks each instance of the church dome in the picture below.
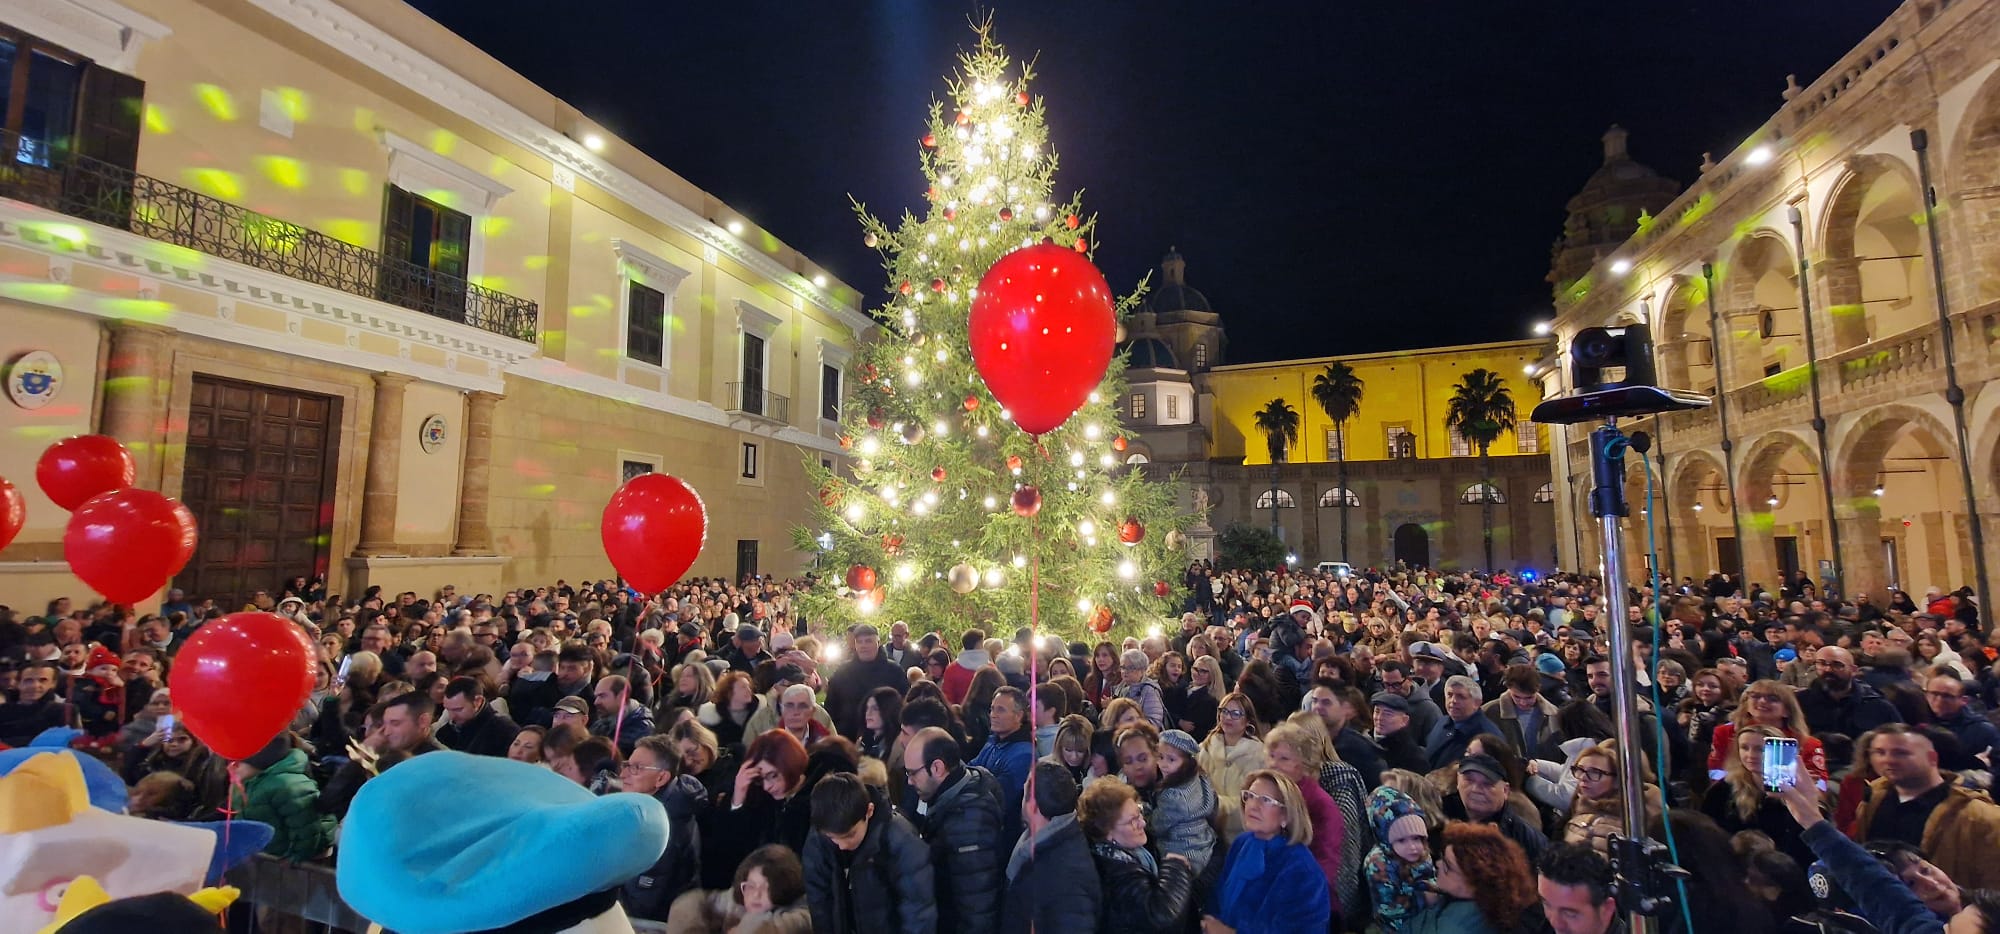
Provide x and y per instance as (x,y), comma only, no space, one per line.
(1173,294)
(1606,212)
(1150,352)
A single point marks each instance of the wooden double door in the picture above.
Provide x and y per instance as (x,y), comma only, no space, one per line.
(259,479)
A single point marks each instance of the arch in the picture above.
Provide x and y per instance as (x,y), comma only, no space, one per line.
(1412,545)
(1702,506)
(1482,492)
(1284,499)
(1337,497)
(1760,464)
(1866,439)
(1546,493)
(1686,359)
(1135,458)
(1974,187)
(1874,264)
(1759,276)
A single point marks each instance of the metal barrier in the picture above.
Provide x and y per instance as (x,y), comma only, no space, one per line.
(305,892)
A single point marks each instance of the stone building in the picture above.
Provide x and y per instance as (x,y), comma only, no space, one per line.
(1413,489)
(376,307)
(1849,333)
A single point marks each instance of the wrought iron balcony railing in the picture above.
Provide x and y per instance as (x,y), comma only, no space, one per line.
(751,399)
(107,194)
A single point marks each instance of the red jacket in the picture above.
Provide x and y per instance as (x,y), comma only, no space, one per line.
(1811,753)
(957,678)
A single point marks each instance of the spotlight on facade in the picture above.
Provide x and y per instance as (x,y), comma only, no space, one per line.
(1758,156)
(1530,369)
(1697,507)
(1620,267)
(593,142)
(820,280)
(1773,500)
(1542,328)
(1878,491)
(736,227)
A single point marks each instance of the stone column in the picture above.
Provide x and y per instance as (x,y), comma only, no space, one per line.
(385,458)
(475,477)
(135,393)
(1309,544)
(1845,317)
(1862,560)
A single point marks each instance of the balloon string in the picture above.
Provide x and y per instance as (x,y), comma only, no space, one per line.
(1034,626)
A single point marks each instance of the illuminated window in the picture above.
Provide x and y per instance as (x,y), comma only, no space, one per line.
(1527,440)
(1401,444)
(1138,406)
(1137,458)
(426,248)
(1460,447)
(645,324)
(1201,356)
(1482,493)
(1336,446)
(1339,497)
(749,460)
(1546,494)
(1284,500)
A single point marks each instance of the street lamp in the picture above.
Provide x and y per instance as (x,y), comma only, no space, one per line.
(1542,328)
(1291,559)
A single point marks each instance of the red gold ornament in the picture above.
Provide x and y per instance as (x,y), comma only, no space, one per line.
(904,288)
(1100,620)
(892,543)
(937,285)
(930,141)
(937,474)
(951,214)
(1082,245)
(1160,589)
(1006,214)
(1118,443)
(964,117)
(846,442)
(875,419)
(1027,501)
(861,577)
(1013,462)
(971,403)
(1021,98)
(1130,532)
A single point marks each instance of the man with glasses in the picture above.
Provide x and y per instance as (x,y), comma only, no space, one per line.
(1840,702)
(650,771)
(958,815)
(1396,678)
(1976,734)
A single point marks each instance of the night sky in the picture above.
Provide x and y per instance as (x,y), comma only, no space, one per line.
(1342,177)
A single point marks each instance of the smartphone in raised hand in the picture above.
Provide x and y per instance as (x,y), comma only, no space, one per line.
(1781,762)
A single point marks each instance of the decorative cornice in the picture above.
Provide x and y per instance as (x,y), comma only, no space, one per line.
(545,370)
(355,37)
(667,275)
(756,320)
(410,161)
(104,31)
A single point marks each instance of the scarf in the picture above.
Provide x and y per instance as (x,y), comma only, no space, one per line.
(1249,866)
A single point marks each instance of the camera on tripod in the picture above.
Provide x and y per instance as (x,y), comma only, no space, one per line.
(1612,370)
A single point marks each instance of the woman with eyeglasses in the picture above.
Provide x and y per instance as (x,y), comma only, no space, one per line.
(1142,893)
(1739,802)
(1228,756)
(1597,813)
(1271,883)
(1772,704)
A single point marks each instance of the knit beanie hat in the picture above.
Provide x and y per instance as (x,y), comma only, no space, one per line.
(1386,806)
(99,655)
(273,752)
(1181,740)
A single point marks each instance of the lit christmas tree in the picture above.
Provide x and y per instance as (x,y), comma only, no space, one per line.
(954,516)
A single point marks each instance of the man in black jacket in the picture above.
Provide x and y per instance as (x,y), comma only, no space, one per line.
(650,771)
(866,868)
(1840,702)
(959,817)
(847,691)
(472,725)
(1051,878)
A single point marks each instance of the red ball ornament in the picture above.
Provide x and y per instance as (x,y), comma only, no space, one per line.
(1072,222)
(653,529)
(1082,245)
(75,469)
(127,543)
(937,474)
(1021,98)
(828,497)
(861,578)
(930,140)
(875,419)
(1160,589)
(1118,443)
(905,289)
(1027,501)
(846,442)
(1006,214)
(937,285)
(931,193)
(951,214)
(971,403)
(868,370)
(1042,332)
(1130,532)
(1013,462)
(964,117)
(1100,620)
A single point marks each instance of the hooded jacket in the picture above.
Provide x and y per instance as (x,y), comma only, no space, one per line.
(964,832)
(957,678)
(1183,821)
(1958,836)
(1142,893)
(650,894)
(1052,881)
(1398,888)
(885,885)
(285,797)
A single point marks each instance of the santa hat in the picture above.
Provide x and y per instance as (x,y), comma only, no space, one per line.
(1302,605)
(99,655)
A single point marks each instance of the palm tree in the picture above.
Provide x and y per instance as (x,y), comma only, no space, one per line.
(1338,392)
(1481,410)
(1280,424)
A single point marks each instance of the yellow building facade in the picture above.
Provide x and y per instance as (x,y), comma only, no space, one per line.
(376,307)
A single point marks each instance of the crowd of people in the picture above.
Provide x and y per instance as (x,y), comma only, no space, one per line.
(1399,751)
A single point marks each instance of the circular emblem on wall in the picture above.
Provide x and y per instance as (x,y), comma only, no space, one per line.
(431,436)
(34,378)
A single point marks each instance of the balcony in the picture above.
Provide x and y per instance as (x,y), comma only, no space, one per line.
(752,399)
(107,194)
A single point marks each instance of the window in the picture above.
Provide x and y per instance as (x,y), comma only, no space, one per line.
(749,460)
(1284,499)
(1339,497)
(1173,407)
(1527,440)
(1201,356)
(41,86)
(751,394)
(753,366)
(57,104)
(1138,406)
(1767,324)
(425,250)
(1773,369)
(1136,458)
(1460,447)
(1546,494)
(1483,493)
(826,464)
(631,469)
(829,392)
(1401,444)
(1336,446)
(645,324)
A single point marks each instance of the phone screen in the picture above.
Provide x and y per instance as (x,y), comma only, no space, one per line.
(1781,763)
(167,725)
(340,677)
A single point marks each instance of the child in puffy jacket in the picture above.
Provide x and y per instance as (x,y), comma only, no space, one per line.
(1184,806)
(1399,868)
(276,789)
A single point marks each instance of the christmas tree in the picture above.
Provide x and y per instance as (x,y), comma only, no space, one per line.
(933,525)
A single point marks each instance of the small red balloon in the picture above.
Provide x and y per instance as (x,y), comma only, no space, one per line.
(1027,501)
(75,469)
(1118,443)
(653,529)
(13,512)
(1042,334)
(1160,589)
(861,578)
(1130,532)
(126,544)
(239,680)
(937,474)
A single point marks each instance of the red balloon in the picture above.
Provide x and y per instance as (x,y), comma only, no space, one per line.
(13,512)
(653,529)
(241,679)
(126,544)
(75,469)
(1042,332)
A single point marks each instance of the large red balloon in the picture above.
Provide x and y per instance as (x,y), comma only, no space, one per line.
(75,469)
(653,529)
(239,681)
(1043,329)
(126,544)
(13,512)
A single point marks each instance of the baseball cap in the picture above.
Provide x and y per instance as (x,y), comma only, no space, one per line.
(575,705)
(1483,764)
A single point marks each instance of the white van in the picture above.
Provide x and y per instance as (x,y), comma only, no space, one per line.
(1336,568)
